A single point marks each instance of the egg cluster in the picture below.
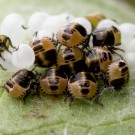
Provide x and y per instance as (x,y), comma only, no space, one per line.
(79,56)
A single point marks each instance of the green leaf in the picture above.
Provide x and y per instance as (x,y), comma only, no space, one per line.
(49,116)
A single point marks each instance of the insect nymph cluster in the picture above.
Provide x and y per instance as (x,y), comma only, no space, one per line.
(76,63)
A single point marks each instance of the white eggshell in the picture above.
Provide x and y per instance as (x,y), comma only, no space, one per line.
(67,16)
(130,47)
(52,24)
(106,23)
(24,57)
(35,22)
(130,58)
(40,34)
(127,33)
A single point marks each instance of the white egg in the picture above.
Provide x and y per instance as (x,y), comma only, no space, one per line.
(52,24)
(35,22)
(23,57)
(64,19)
(106,23)
(130,47)
(84,22)
(50,29)
(11,26)
(42,33)
(67,16)
(130,58)
(127,33)
(39,34)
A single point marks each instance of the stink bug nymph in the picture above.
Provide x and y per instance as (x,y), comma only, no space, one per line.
(5,42)
(71,60)
(97,60)
(83,85)
(118,74)
(107,36)
(53,82)
(73,34)
(45,52)
(20,84)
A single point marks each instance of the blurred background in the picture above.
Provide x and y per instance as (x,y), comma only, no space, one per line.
(130,2)
(122,10)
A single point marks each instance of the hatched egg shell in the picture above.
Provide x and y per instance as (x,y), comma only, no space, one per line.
(63,19)
(130,58)
(84,22)
(40,34)
(50,29)
(23,57)
(107,23)
(67,16)
(11,26)
(35,22)
(130,48)
(52,24)
(127,33)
